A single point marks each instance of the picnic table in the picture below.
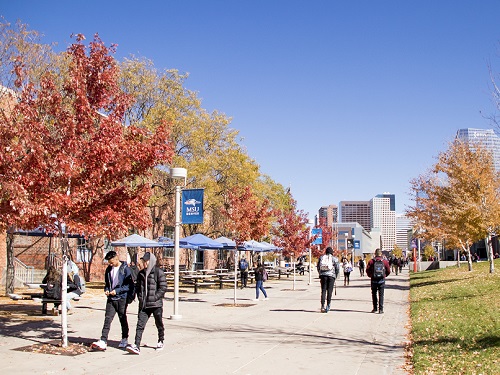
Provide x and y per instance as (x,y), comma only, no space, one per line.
(226,277)
(196,278)
(207,271)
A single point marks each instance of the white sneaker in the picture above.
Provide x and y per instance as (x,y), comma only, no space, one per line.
(99,345)
(159,346)
(255,299)
(123,344)
(265,299)
(133,349)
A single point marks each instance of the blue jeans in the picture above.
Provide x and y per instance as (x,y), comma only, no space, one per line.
(259,285)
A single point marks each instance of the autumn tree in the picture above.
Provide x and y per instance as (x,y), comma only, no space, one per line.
(429,252)
(70,164)
(248,218)
(397,251)
(457,199)
(291,232)
(203,143)
(327,238)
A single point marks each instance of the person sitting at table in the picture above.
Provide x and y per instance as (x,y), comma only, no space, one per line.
(52,288)
(74,288)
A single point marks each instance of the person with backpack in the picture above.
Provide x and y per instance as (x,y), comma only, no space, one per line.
(52,289)
(377,270)
(260,277)
(328,269)
(151,286)
(243,266)
(118,285)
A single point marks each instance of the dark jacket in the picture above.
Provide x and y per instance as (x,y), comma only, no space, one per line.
(124,281)
(259,273)
(75,285)
(369,268)
(151,286)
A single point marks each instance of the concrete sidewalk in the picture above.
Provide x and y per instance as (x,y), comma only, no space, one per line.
(286,334)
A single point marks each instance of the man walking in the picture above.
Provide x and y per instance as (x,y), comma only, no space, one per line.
(243,266)
(118,283)
(328,269)
(378,269)
(361,265)
(151,287)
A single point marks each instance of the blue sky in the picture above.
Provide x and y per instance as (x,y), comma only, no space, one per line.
(340,100)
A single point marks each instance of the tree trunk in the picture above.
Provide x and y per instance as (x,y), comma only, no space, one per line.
(489,251)
(10,276)
(469,259)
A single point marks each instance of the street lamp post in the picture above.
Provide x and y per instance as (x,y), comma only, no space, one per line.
(353,251)
(177,173)
(311,223)
(345,243)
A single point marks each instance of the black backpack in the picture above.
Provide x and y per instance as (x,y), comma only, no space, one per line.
(52,291)
(378,269)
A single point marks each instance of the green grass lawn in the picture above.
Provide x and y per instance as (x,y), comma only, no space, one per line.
(456,320)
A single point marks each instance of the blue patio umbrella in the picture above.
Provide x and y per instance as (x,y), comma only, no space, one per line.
(200,241)
(229,244)
(169,242)
(257,246)
(135,240)
(271,247)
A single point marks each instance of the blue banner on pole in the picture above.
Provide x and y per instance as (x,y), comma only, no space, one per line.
(319,233)
(357,245)
(192,206)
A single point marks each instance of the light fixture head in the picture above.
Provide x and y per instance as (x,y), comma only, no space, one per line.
(178,173)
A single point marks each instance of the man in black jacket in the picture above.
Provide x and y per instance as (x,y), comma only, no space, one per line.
(151,286)
(118,282)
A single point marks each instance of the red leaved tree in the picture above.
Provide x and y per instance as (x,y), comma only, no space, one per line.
(327,236)
(68,163)
(248,218)
(292,233)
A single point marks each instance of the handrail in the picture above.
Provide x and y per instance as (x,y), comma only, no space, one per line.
(22,272)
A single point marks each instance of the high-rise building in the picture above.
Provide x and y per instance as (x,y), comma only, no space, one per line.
(383,216)
(403,225)
(487,137)
(356,212)
(329,213)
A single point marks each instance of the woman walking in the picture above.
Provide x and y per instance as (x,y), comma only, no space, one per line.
(260,277)
(347,271)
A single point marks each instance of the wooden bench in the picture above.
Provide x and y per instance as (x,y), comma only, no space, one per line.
(56,302)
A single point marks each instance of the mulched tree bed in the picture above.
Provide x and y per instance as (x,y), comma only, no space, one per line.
(55,348)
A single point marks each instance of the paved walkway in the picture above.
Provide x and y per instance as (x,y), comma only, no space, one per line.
(284,335)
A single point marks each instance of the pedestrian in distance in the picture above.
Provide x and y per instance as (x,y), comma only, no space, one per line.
(378,269)
(243,266)
(260,277)
(151,287)
(361,265)
(347,267)
(328,269)
(118,285)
